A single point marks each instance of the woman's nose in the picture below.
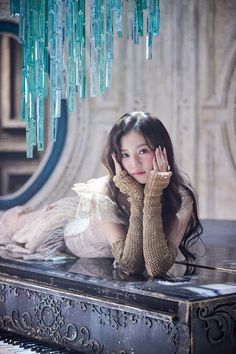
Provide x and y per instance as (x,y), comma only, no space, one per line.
(135,162)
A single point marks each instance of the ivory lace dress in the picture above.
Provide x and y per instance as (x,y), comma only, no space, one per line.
(70,226)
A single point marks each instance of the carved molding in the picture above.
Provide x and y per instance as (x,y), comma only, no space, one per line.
(5,10)
(81,337)
(17,322)
(3,292)
(210,19)
(219,321)
(229,127)
(210,163)
(48,319)
(49,316)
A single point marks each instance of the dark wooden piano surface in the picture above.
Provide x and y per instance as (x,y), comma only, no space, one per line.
(86,305)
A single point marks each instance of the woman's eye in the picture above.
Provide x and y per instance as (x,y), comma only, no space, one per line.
(124,155)
(143,151)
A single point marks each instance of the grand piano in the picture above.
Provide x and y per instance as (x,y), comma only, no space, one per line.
(87,306)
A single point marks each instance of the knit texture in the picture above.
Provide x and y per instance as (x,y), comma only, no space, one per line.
(159,253)
(128,252)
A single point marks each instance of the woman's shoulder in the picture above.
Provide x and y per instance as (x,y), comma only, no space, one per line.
(186,201)
(96,185)
(95,199)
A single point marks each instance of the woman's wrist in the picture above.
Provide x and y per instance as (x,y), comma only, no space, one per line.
(157,181)
(128,185)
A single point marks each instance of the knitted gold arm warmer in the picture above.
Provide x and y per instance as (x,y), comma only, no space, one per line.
(159,254)
(128,252)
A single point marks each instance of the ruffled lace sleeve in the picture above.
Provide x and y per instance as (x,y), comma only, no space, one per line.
(83,235)
(95,202)
(178,228)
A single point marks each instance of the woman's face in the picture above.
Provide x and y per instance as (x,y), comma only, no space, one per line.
(136,156)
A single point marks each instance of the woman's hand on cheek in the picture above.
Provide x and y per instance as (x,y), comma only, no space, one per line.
(118,167)
(126,183)
(159,177)
(160,161)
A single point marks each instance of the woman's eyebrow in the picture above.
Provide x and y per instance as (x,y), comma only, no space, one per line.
(142,145)
(136,147)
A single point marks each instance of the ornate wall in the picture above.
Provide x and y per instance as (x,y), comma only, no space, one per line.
(190,84)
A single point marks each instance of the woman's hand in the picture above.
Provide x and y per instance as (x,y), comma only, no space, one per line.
(160,161)
(159,177)
(125,183)
(118,167)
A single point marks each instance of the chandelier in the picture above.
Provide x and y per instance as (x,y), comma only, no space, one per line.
(57,37)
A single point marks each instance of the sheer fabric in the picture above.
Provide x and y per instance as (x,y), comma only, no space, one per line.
(83,235)
(30,233)
(71,225)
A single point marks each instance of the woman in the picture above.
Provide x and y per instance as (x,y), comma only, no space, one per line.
(140,214)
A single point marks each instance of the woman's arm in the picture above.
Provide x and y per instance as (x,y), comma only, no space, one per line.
(160,250)
(159,253)
(128,248)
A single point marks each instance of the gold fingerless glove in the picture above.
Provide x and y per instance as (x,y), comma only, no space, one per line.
(159,254)
(128,252)
(129,186)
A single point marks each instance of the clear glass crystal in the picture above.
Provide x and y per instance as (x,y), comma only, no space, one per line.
(54,47)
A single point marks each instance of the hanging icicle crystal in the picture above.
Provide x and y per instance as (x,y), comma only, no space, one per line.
(53,37)
(153,24)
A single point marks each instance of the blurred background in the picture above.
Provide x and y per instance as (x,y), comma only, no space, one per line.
(190,84)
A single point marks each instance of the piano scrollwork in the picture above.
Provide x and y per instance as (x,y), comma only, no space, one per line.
(111,317)
(18,322)
(85,343)
(62,320)
(219,320)
(3,292)
(177,333)
(49,316)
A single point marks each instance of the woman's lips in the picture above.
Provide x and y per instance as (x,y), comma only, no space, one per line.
(138,173)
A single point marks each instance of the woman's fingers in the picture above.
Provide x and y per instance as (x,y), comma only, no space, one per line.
(154,163)
(157,157)
(157,160)
(166,159)
(116,163)
(161,160)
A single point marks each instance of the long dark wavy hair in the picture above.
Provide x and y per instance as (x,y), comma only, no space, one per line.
(156,135)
